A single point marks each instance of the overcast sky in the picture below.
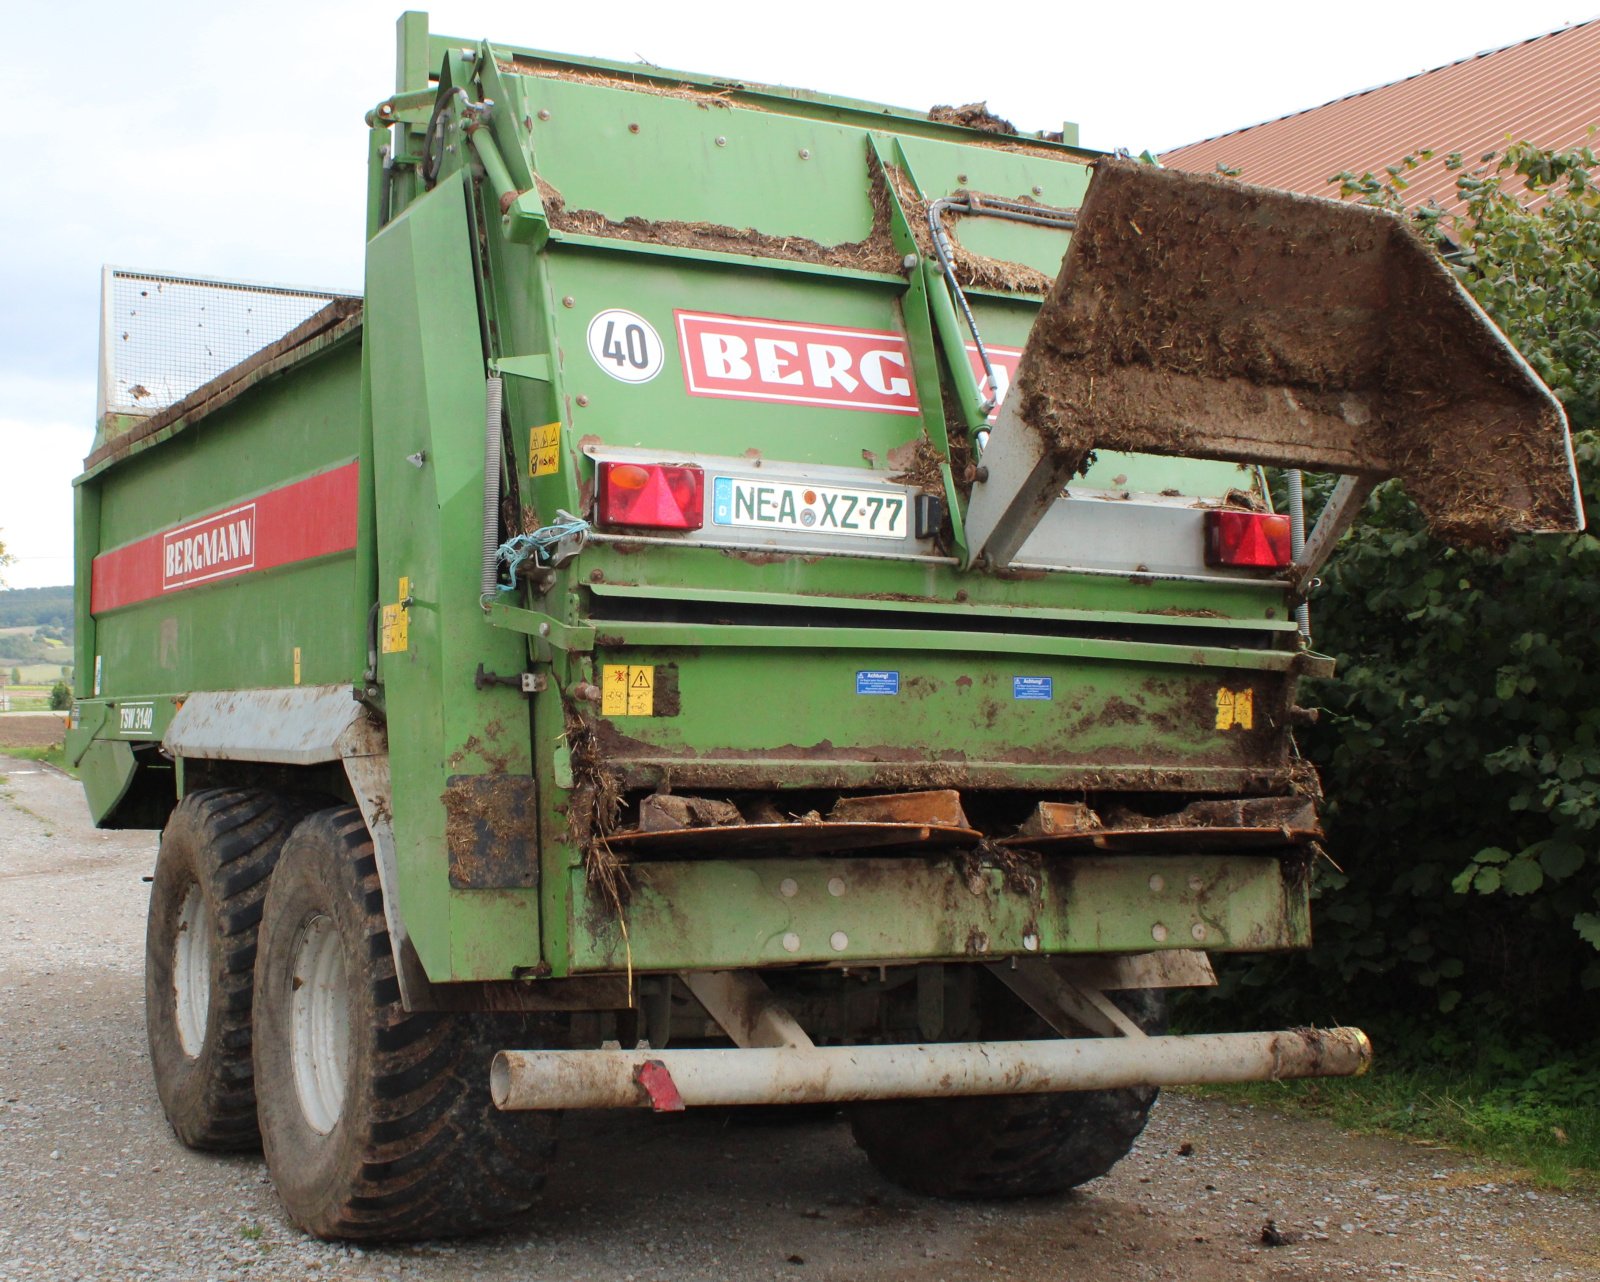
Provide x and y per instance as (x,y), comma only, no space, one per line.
(227,139)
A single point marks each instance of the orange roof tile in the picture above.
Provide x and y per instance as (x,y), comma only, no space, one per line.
(1545,90)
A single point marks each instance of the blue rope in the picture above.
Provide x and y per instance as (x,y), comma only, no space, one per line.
(537,543)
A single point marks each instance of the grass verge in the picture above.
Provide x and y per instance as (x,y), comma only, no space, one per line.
(51,755)
(1544,1121)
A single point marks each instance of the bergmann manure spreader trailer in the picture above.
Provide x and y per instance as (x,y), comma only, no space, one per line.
(731,616)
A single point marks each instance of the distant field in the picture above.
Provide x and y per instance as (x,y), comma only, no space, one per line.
(39,658)
(32,732)
(45,674)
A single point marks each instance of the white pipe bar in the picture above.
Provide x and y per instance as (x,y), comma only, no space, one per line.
(538,1079)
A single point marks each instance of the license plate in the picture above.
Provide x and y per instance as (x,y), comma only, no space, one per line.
(809,509)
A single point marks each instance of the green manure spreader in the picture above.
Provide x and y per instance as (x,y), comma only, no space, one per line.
(764,599)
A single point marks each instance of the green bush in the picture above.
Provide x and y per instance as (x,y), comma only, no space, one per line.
(60,696)
(1460,742)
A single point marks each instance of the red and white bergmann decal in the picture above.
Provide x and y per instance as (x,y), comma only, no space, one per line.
(214,548)
(750,359)
(302,521)
(1004,360)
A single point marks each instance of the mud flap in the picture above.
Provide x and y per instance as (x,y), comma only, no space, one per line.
(1202,317)
(490,831)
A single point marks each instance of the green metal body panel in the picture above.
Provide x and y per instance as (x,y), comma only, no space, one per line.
(496,235)
(423,330)
(106,768)
(235,632)
(1128,725)
(730,913)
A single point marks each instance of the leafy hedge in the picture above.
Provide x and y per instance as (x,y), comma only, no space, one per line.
(1460,742)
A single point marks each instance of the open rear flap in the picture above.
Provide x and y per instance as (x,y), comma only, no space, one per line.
(1203,317)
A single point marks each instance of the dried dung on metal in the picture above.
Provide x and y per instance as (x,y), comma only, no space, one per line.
(917,464)
(875,253)
(1198,316)
(975,115)
(975,270)
(523,67)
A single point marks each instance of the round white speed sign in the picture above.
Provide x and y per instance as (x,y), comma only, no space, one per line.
(625,345)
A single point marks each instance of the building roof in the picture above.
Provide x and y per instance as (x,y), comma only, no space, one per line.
(1545,90)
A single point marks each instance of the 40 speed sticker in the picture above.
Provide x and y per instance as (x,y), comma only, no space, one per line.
(625,345)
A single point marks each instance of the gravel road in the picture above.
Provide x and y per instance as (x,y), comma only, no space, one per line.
(92,1184)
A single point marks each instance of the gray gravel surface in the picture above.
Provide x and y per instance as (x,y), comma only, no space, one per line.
(93,1185)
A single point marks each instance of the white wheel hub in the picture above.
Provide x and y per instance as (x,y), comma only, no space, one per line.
(319,1023)
(191,972)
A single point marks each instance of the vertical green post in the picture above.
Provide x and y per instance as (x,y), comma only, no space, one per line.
(86,519)
(411,51)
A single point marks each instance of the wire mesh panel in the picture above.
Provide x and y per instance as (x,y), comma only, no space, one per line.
(164,336)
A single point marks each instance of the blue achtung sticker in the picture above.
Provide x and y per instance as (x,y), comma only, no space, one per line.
(1032,687)
(877,683)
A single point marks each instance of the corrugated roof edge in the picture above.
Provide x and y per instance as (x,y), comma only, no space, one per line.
(1388,84)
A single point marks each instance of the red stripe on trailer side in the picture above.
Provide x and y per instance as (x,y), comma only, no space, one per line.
(312,518)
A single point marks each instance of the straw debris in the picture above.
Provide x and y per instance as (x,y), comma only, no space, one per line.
(593,811)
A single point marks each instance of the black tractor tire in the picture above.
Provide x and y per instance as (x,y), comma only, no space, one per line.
(390,1135)
(1009,1146)
(217,853)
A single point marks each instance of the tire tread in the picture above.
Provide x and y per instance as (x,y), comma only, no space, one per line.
(432,1157)
(236,835)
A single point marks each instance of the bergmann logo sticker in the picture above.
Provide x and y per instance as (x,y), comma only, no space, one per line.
(214,548)
(877,683)
(1033,688)
(749,358)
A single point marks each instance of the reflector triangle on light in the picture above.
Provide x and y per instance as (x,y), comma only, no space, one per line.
(656,505)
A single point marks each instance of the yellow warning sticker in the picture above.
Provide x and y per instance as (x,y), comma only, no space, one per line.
(1235,708)
(544,450)
(641,691)
(627,690)
(614,690)
(396,622)
(297,665)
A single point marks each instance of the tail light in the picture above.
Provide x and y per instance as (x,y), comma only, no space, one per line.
(1258,539)
(652,496)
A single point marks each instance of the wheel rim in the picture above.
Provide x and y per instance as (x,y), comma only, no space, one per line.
(191,972)
(320,1028)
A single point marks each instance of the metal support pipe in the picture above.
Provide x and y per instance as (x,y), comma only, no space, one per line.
(494,166)
(530,1079)
(493,399)
(1342,508)
(1297,539)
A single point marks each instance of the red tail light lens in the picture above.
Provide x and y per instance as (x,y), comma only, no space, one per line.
(652,496)
(1259,539)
